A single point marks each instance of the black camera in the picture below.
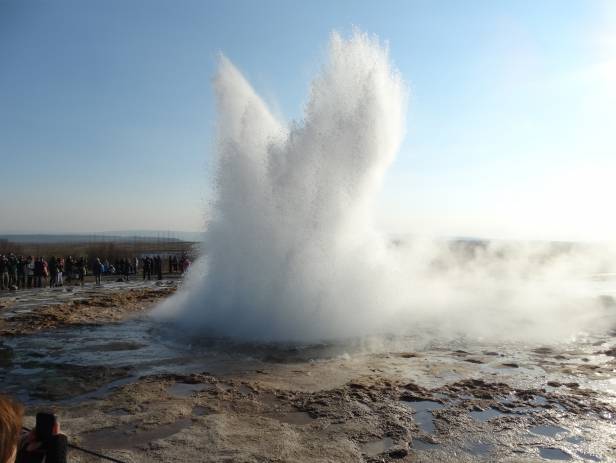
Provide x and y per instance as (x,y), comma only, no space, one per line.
(45,422)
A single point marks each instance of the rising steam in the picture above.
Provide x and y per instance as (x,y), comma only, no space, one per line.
(291,252)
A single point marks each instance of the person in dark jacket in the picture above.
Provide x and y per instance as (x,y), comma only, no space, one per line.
(21,272)
(4,272)
(38,272)
(147,268)
(13,264)
(81,267)
(159,267)
(97,269)
(45,443)
(53,271)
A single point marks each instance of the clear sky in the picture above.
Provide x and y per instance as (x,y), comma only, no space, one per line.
(107,112)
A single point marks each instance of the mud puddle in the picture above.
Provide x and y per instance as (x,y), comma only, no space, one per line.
(129,437)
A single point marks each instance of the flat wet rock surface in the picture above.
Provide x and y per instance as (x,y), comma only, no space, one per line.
(140,392)
(205,417)
(36,310)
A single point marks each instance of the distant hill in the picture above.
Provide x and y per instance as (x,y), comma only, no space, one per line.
(112,236)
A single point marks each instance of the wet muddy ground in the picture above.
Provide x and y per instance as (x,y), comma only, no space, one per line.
(35,310)
(136,390)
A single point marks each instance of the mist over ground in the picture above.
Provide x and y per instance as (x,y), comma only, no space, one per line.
(291,252)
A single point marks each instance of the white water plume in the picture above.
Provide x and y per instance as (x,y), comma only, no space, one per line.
(291,251)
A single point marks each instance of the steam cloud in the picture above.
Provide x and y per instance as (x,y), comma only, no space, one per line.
(291,251)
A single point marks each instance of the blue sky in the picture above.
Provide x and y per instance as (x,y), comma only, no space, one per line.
(106,109)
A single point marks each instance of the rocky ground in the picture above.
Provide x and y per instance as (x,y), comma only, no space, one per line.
(439,402)
(73,305)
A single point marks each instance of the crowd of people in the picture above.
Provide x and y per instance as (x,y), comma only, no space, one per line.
(45,442)
(21,272)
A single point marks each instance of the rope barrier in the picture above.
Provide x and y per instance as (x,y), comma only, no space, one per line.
(81,449)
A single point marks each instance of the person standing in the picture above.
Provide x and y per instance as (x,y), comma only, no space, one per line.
(30,271)
(147,268)
(45,270)
(69,268)
(13,271)
(82,271)
(97,270)
(53,271)
(126,269)
(38,272)
(59,271)
(185,265)
(160,268)
(4,272)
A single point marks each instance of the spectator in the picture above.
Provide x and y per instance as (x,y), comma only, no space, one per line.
(21,272)
(45,270)
(18,272)
(82,271)
(158,267)
(184,264)
(38,272)
(53,270)
(4,272)
(45,443)
(30,266)
(69,268)
(11,415)
(98,269)
(126,269)
(12,271)
(147,268)
(59,272)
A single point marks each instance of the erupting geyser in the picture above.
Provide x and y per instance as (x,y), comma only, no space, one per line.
(291,252)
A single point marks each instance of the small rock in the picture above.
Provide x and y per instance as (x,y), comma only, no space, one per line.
(543,350)
(413,387)
(358,386)
(511,365)
(398,453)
(611,352)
